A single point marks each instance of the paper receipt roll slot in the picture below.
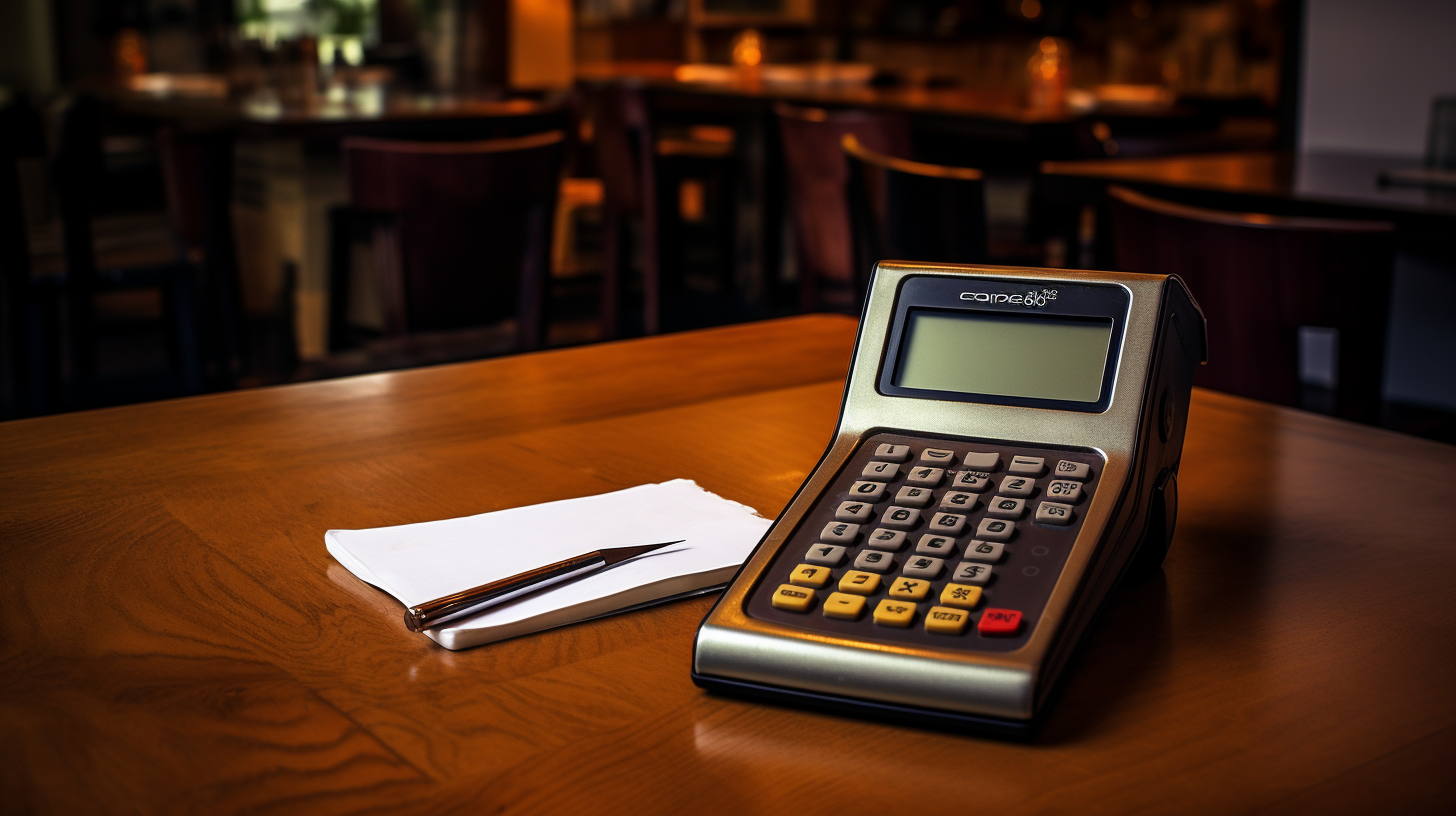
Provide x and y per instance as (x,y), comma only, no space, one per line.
(1007,450)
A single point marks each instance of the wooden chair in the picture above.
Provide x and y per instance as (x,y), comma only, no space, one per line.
(76,166)
(641,169)
(1259,278)
(461,232)
(29,339)
(817,175)
(912,211)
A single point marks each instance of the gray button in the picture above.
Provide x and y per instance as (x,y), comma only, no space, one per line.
(1006,507)
(971,573)
(891,540)
(959,502)
(1053,513)
(927,476)
(874,561)
(988,552)
(1026,465)
(914,496)
(839,532)
(826,555)
(1065,490)
(901,518)
(853,511)
(936,545)
(982,461)
(893,453)
(880,471)
(1018,486)
(949,524)
(868,491)
(995,529)
(922,566)
(975,481)
(1067,469)
(1039,550)
(936,456)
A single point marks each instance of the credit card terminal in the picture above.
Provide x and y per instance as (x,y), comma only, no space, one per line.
(1007,449)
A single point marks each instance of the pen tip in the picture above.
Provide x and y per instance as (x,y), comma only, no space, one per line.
(616,555)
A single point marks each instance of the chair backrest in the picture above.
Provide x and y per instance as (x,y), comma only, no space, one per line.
(474,222)
(817,175)
(623,138)
(913,211)
(1259,278)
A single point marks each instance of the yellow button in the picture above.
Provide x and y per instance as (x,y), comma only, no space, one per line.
(844,605)
(809,576)
(965,597)
(909,589)
(946,621)
(894,613)
(860,583)
(793,598)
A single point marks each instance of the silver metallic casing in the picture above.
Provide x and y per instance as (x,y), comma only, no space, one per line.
(732,645)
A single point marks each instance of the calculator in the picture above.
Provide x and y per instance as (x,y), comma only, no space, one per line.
(1007,451)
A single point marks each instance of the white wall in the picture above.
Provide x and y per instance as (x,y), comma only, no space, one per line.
(1371,68)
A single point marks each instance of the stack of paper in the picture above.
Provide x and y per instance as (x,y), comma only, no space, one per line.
(420,562)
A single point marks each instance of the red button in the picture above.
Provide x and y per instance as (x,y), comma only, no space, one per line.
(999,622)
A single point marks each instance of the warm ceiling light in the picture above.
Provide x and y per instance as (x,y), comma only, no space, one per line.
(1030,9)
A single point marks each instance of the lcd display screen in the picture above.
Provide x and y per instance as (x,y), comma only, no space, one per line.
(1030,356)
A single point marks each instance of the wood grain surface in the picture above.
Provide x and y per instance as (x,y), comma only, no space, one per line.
(175,639)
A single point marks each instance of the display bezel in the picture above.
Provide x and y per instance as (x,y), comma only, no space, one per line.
(943,294)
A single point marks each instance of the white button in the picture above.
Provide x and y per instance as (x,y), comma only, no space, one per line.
(914,496)
(1065,490)
(1006,507)
(995,529)
(982,461)
(1027,465)
(901,518)
(891,540)
(1018,486)
(958,502)
(936,456)
(893,453)
(874,561)
(935,545)
(826,555)
(1053,513)
(853,511)
(969,573)
(966,480)
(1067,469)
(924,476)
(867,491)
(987,552)
(880,471)
(839,532)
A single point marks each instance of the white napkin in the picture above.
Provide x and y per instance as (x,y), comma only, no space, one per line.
(420,562)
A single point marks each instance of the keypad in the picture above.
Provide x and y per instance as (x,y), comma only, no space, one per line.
(940,542)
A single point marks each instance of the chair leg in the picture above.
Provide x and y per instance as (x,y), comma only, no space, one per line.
(651,269)
(612,252)
(181,296)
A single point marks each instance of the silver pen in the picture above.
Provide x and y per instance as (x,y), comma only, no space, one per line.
(469,601)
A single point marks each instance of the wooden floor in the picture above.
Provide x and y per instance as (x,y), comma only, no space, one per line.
(175,639)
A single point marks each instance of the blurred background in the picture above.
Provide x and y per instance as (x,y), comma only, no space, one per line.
(202,195)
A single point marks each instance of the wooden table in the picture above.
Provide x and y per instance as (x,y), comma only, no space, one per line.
(1341,185)
(174,638)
